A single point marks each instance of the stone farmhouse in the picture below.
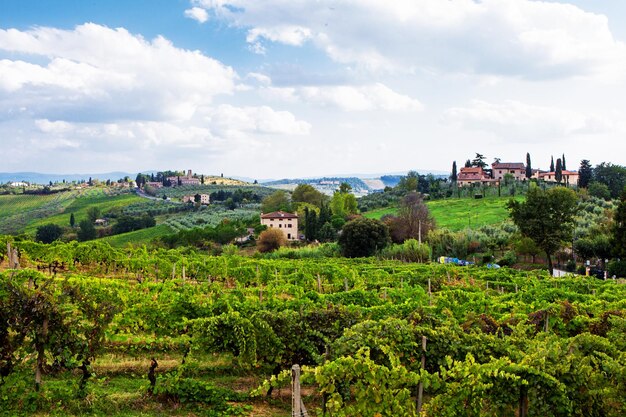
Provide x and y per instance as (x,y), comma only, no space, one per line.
(287,222)
(204,199)
(477,175)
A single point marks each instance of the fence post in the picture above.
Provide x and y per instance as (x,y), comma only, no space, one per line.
(420,387)
(297,406)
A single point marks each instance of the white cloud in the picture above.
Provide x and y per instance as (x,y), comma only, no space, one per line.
(516,121)
(197,13)
(95,72)
(518,38)
(230,121)
(348,98)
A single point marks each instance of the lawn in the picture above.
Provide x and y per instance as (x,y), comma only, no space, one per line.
(457,214)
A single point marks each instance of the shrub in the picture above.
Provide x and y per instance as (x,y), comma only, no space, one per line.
(363,237)
(270,240)
(409,251)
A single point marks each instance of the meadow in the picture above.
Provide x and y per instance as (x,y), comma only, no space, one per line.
(458,214)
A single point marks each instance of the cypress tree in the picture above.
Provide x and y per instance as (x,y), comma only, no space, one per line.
(558,173)
(552,164)
(563,163)
(585,173)
(72,220)
(529,170)
(453,176)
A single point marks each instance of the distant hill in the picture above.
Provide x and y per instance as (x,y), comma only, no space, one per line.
(327,185)
(39,178)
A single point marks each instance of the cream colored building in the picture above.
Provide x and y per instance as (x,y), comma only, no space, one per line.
(204,198)
(287,222)
(516,169)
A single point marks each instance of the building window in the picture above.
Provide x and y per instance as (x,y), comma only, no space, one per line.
(289,225)
(288,235)
(280,225)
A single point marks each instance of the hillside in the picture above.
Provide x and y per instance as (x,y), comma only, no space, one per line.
(457,214)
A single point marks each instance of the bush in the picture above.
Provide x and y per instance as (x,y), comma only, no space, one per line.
(48,233)
(363,237)
(270,240)
(509,259)
(617,268)
(409,251)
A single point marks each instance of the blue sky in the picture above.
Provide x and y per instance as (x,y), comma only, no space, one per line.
(286,88)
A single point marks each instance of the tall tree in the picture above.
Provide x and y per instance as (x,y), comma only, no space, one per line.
(585,173)
(279,200)
(86,231)
(547,217)
(414,220)
(558,172)
(72,220)
(619,229)
(453,176)
(552,164)
(529,169)
(563,166)
(479,161)
(306,193)
(468,163)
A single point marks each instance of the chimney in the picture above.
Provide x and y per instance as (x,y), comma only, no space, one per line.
(189,173)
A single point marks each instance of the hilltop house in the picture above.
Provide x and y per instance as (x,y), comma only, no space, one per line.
(473,175)
(287,222)
(516,169)
(204,199)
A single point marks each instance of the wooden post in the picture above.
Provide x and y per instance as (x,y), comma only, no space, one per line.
(260,295)
(345,284)
(173,271)
(430,294)
(184,273)
(319,283)
(515,288)
(420,387)
(297,406)
(546,325)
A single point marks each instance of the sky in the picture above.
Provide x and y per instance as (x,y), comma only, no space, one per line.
(303,88)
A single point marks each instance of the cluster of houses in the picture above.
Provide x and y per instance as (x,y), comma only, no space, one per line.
(188,179)
(515,170)
(204,198)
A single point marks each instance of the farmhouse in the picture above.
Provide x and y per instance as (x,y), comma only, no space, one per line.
(473,175)
(516,169)
(569,177)
(204,198)
(287,222)
(154,184)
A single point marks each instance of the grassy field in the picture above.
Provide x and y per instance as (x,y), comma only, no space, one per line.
(80,206)
(17,211)
(138,237)
(457,214)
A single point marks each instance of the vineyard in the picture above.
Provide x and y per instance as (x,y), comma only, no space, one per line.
(99,330)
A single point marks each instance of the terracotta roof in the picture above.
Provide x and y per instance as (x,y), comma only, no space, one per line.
(279,215)
(508,165)
(471,170)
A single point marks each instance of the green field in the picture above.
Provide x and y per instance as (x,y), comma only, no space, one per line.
(138,237)
(17,211)
(457,214)
(80,206)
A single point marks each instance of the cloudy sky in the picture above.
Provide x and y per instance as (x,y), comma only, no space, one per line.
(294,88)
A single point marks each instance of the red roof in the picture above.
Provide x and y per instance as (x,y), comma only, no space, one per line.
(508,165)
(279,215)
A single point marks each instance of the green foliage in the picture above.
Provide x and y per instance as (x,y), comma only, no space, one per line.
(547,217)
(599,190)
(363,237)
(278,201)
(48,233)
(409,251)
(86,231)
